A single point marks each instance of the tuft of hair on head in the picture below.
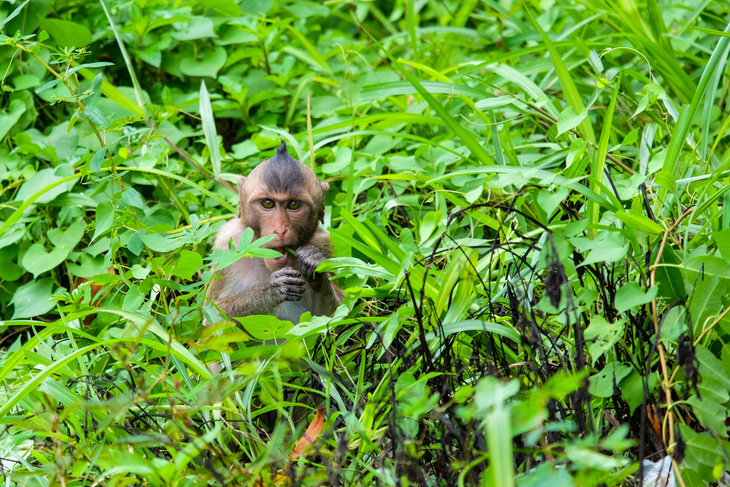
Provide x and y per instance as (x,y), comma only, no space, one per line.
(282,149)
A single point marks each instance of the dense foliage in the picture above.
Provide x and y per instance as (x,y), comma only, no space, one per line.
(527,205)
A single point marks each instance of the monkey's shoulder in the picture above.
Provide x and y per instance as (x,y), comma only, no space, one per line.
(232,229)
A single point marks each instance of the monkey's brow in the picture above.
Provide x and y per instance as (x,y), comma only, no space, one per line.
(281,197)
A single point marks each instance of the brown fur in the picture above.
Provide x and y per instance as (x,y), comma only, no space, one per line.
(278,286)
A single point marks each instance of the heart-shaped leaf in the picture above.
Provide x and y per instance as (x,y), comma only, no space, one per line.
(209,64)
(37,261)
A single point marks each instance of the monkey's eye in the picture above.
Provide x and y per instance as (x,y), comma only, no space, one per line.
(267,203)
(294,205)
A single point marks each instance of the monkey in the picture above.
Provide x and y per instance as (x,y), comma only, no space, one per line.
(282,197)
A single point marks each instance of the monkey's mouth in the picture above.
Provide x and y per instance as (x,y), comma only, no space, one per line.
(285,257)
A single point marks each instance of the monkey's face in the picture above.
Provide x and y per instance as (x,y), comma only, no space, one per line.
(282,197)
(288,216)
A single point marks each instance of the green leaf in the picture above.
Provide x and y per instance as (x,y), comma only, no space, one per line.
(133,198)
(211,135)
(669,277)
(687,113)
(604,335)
(133,299)
(598,165)
(711,366)
(209,63)
(609,248)
(95,88)
(8,120)
(67,33)
(188,263)
(13,14)
(383,90)
(566,80)
(710,413)
(707,301)
(477,326)
(33,299)
(104,218)
(229,8)
(495,102)
(37,261)
(722,241)
(47,86)
(630,296)
(97,117)
(97,160)
(568,119)
(160,242)
(469,139)
(265,327)
(602,383)
(639,222)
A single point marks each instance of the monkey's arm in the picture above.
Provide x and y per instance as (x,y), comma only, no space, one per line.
(328,295)
(235,294)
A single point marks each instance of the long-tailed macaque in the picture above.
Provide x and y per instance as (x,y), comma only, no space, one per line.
(281,197)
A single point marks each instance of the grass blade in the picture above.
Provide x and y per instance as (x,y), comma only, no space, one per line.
(211,135)
(468,138)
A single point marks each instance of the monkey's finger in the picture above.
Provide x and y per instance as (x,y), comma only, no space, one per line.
(294,281)
(287,271)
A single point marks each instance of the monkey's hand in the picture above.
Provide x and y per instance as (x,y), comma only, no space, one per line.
(286,285)
(308,258)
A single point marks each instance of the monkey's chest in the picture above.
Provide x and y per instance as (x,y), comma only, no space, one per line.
(293,310)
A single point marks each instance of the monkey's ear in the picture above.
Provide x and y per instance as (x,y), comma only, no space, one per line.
(324,186)
(241,197)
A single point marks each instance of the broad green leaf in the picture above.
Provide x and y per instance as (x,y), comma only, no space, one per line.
(477,326)
(160,242)
(97,160)
(7,120)
(568,119)
(132,197)
(711,366)
(133,299)
(610,248)
(602,383)
(630,296)
(604,335)
(208,63)
(669,277)
(67,33)
(710,413)
(722,241)
(37,261)
(707,301)
(639,222)
(188,263)
(33,299)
